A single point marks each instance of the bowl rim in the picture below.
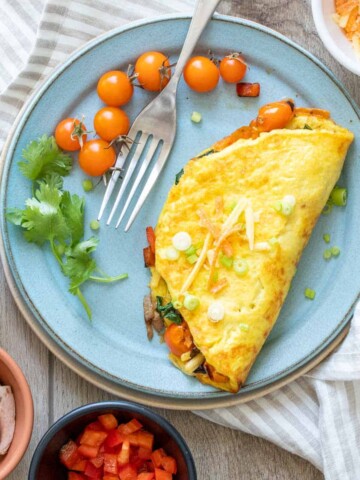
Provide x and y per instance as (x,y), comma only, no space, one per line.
(328,41)
(112,404)
(7,465)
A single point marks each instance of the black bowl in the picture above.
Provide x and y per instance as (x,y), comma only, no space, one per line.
(45,463)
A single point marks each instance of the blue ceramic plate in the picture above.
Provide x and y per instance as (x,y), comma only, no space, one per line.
(114,347)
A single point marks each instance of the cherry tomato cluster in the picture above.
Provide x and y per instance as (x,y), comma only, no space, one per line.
(202,74)
(115,88)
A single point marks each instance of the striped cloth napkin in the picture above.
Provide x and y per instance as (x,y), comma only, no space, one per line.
(316,416)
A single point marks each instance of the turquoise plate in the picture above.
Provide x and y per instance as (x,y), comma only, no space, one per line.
(114,347)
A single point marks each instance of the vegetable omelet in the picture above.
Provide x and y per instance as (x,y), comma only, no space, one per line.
(231,234)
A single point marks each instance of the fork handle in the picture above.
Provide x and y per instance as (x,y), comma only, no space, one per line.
(202,14)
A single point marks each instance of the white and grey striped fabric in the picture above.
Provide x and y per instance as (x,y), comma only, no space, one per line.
(317,416)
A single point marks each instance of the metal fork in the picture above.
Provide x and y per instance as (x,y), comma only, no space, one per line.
(155,127)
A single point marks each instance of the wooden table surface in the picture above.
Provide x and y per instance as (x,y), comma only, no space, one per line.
(219,453)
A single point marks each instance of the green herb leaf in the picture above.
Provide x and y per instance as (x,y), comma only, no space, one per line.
(14,215)
(168,311)
(178,176)
(42,219)
(43,157)
(307,127)
(72,207)
(79,263)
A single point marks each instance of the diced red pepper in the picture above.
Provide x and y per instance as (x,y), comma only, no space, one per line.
(146,476)
(162,475)
(93,438)
(169,464)
(149,257)
(110,477)
(145,439)
(69,454)
(93,472)
(130,427)
(144,453)
(79,465)
(75,476)
(98,461)
(244,89)
(157,456)
(88,451)
(110,463)
(108,421)
(124,454)
(114,438)
(150,235)
(94,426)
(128,473)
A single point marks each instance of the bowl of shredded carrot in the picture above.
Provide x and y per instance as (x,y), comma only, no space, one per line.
(338,25)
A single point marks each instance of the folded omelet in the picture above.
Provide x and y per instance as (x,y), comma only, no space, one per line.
(249,210)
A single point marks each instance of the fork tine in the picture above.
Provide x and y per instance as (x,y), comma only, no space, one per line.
(120,162)
(130,170)
(155,172)
(152,149)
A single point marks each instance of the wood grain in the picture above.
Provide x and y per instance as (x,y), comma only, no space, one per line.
(219,453)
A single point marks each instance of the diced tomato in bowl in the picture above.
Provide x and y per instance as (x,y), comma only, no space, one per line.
(112,441)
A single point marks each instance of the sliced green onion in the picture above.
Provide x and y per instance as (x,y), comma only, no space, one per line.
(94,225)
(326,237)
(240,267)
(339,196)
(171,253)
(192,259)
(277,206)
(327,254)
(177,304)
(226,261)
(274,241)
(335,251)
(244,327)
(196,117)
(327,209)
(215,277)
(286,206)
(87,185)
(191,302)
(190,251)
(181,241)
(309,293)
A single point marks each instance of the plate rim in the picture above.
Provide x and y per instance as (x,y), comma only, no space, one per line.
(91,372)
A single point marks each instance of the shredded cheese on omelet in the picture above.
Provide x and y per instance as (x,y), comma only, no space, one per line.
(199,263)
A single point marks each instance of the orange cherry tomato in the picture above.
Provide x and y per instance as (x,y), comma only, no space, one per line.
(153,71)
(96,157)
(115,88)
(232,68)
(110,122)
(70,134)
(201,74)
(178,339)
(274,115)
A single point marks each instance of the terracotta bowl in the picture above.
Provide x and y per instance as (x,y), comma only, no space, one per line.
(45,463)
(11,374)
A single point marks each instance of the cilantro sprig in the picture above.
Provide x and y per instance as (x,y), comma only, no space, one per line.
(56,216)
